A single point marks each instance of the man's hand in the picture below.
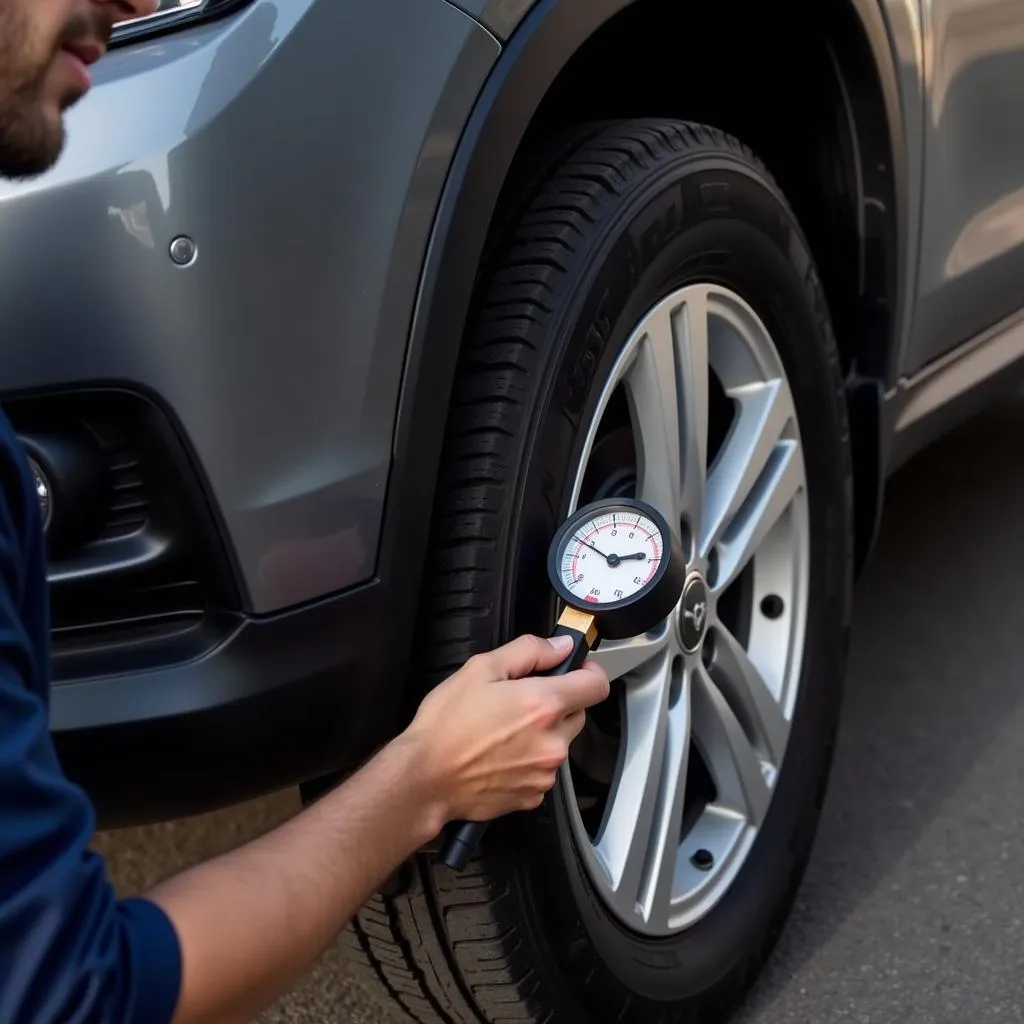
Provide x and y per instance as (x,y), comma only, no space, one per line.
(493,736)
(485,742)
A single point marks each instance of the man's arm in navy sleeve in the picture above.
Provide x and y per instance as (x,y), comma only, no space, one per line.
(69,950)
(219,942)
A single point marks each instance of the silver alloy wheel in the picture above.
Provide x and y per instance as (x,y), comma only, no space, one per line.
(691,681)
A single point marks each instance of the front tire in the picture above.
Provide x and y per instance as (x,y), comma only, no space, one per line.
(636,233)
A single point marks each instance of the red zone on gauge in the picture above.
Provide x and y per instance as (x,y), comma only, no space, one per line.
(611,557)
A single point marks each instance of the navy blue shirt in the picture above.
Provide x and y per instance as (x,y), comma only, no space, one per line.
(69,950)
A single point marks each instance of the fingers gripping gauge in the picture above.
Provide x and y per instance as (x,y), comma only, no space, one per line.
(620,570)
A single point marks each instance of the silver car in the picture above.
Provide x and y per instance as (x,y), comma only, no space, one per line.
(361,299)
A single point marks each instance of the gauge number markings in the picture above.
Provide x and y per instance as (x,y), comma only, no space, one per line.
(604,540)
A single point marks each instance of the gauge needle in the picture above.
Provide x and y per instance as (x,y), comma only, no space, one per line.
(640,556)
(586,543)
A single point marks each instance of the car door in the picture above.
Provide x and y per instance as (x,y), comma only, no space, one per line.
(971,271)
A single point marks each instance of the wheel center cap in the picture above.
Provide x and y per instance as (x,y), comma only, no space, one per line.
(693,613)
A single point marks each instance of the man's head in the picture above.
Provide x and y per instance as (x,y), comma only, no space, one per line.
(46,47)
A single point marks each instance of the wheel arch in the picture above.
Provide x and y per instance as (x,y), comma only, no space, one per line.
(539,48)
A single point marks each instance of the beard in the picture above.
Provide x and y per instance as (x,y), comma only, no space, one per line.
(31,122)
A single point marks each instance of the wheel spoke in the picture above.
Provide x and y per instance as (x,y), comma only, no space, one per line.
(749,695)
(732,761)
(654,404)
(743,485)
(621,657)
(667,387)
(782,479)
(636,844)
(693,375)
(659,882)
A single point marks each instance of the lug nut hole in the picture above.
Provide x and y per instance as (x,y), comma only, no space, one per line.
(703,860)
(772,606)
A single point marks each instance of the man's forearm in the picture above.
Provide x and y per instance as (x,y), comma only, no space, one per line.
(251,922)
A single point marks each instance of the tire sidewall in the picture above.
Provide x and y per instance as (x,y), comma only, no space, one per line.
(708,219)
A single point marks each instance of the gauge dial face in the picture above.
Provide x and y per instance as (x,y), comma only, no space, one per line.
(611,557)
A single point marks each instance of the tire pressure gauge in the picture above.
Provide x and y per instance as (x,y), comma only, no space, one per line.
(619,562)
(620,570)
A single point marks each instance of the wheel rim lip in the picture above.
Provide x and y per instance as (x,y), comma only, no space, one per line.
(690,905)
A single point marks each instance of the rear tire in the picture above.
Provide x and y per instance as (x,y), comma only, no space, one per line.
(628,213)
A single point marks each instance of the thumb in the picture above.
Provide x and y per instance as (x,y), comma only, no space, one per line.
(529,653)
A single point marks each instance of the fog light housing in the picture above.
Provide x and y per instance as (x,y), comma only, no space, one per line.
(69,475)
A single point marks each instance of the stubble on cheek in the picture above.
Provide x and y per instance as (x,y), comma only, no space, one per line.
(31,128)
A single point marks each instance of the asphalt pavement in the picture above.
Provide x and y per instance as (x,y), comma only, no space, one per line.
(912,911)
